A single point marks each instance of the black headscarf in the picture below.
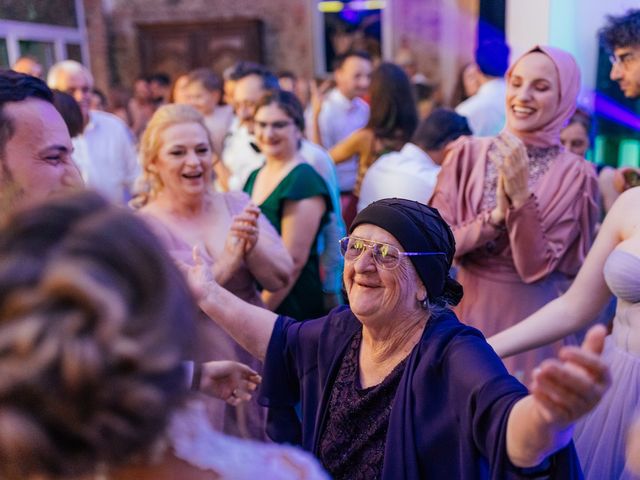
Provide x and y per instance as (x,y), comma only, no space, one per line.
(419,228)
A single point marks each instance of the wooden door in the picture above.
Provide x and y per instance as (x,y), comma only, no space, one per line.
(176,48)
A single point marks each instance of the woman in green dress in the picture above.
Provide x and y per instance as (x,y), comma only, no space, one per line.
(294,198)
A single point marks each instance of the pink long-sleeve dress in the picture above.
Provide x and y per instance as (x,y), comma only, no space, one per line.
(212,342)
(508,273)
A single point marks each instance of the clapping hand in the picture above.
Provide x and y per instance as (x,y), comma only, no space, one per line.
(245,229)
(567,388)
(514,168)
(230,381)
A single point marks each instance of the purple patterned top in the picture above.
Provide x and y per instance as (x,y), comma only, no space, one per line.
(353,442)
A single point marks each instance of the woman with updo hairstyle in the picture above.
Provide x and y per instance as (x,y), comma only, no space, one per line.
(295,199)
(95,321)
(238,242)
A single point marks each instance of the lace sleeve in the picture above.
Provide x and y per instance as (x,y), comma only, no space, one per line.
(194,440)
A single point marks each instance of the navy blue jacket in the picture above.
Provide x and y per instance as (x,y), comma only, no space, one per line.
(449,415)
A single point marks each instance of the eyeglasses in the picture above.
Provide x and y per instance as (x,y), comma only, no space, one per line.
(625,60)
(279,125)
(386,256)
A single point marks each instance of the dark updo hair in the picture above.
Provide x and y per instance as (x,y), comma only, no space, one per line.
(287,102)
(95,320)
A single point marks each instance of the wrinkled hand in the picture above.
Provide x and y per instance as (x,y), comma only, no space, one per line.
(514,168)
(244,229)
(230,381)
(567,388)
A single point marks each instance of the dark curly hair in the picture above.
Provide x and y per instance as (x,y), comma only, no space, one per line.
(621,31)
(94,322)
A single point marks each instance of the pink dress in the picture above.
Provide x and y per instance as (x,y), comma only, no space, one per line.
(212,342)
(509,273)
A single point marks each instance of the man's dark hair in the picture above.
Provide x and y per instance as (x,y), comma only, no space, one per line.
(244,69)
(440,128)
(207,78)
(621,31)
(17,87)
(340,59)
(492,57)
(161,79)
(70,111)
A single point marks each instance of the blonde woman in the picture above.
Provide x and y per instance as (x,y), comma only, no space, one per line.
(241,247)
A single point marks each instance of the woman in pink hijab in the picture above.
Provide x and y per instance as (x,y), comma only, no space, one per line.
(522,209)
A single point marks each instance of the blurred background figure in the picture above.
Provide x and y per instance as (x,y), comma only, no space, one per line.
(105,151)
(95,321)
(485,109)
(240,154)
(340,112)
(406,60)
(29,66)
(426,96)
(203,91)
(140,106)
(160,86)
(575,137)
(467,84)
(412,172)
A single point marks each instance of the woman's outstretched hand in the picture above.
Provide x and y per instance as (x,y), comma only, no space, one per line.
(230,381)
(567,388)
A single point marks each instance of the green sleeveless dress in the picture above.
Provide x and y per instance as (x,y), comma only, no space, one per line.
(305,300)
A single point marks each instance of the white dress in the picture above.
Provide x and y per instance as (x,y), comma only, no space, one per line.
(193,440)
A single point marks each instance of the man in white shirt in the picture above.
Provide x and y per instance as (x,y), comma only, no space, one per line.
(343,112)
(412,172)
(240,155)
(485,110)
(105,151)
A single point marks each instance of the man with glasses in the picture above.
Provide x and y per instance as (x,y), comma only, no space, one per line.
(240,155)
(621,36)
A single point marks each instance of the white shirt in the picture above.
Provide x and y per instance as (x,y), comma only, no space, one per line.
(239,156)
(106,156)
(218,123)
(409,173)
(334,230)
(339,118)
(485,111)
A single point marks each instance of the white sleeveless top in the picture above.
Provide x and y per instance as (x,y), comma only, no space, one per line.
(193,440)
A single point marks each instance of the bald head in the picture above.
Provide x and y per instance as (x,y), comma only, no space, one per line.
(28,66)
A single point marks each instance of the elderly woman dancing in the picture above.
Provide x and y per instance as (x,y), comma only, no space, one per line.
(522,209)
(394,383)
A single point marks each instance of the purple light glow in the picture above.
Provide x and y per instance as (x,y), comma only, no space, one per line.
(609,109)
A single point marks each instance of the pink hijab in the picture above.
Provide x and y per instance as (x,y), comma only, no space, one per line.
(569,76)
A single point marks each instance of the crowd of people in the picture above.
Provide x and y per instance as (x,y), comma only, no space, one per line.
(253,275)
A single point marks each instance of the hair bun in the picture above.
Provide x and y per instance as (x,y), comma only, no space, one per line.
(453,291)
